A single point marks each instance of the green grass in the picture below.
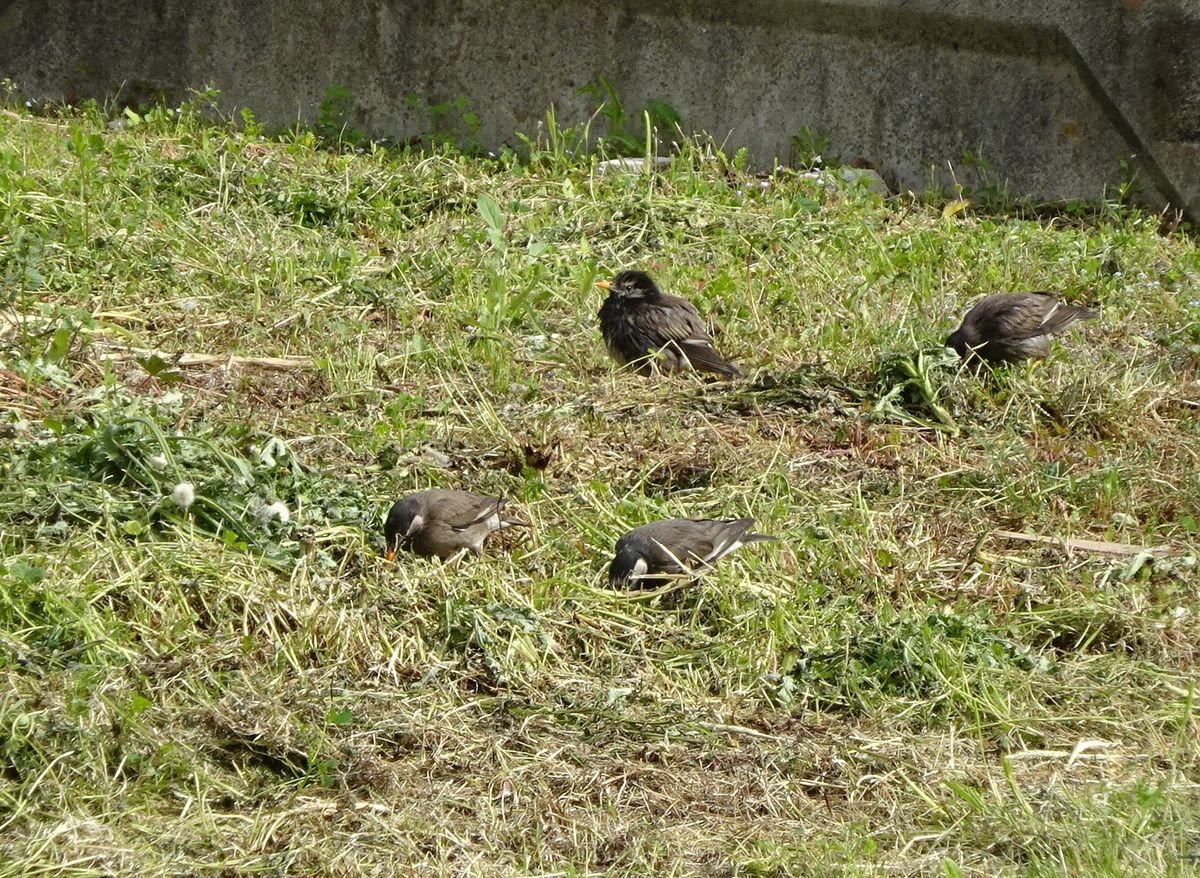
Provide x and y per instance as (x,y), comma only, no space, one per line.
(890,690)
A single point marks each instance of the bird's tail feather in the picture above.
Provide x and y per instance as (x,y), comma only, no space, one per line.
(704,357)
(1065,315)
(508,520)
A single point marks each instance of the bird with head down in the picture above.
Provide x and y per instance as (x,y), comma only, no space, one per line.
(441,523)
(650,331)
(1008,327)
(677,546)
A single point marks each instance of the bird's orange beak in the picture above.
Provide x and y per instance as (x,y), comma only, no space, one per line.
(604,285)
(390,554)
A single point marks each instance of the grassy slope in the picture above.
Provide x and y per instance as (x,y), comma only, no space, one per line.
(887,691)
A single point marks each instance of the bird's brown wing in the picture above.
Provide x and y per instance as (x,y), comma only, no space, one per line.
(1063,316)
(692,541)
(462,509)
(667,548)
(676,321)
(1027,315)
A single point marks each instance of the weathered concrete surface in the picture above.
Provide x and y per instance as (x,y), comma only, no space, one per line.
(1054,95)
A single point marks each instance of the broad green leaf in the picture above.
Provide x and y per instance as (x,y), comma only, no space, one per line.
(490,211)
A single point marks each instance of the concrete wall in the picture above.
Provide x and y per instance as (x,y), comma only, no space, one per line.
(1053,98)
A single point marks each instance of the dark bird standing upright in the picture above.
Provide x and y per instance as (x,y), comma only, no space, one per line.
(652,330)
(1007,327)
(443,523)
(677,545)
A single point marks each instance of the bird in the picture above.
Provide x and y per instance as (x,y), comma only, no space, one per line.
(442,523)
(648,329)
(675,546)
(1008,327)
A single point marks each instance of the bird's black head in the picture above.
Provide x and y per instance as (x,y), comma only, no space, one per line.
(627,564)
(958,342)
(402,520)
(632,285)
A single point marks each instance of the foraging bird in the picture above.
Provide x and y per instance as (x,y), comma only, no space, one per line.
(644,326)
(677,545)
(442,522)
(1007,327)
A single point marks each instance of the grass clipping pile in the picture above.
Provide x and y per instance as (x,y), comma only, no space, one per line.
(972,652)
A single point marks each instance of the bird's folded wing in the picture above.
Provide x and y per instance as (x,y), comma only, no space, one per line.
(474,514)
(1063,316)
(727,536)
(680,554)
(676,321)
(1020,319)
(703,356)
(1036,314)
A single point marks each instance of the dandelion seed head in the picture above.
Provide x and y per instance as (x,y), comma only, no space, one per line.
(271,511)
(184,494)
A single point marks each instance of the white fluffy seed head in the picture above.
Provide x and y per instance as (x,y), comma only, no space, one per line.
(158,461)
(184,495)
(278,509)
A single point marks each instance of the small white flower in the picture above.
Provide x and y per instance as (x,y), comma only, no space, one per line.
(184,495)
(29,103)
(278,509)
(158,461)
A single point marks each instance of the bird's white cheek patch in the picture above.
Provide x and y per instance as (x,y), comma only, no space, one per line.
(417,521)
(640,566)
